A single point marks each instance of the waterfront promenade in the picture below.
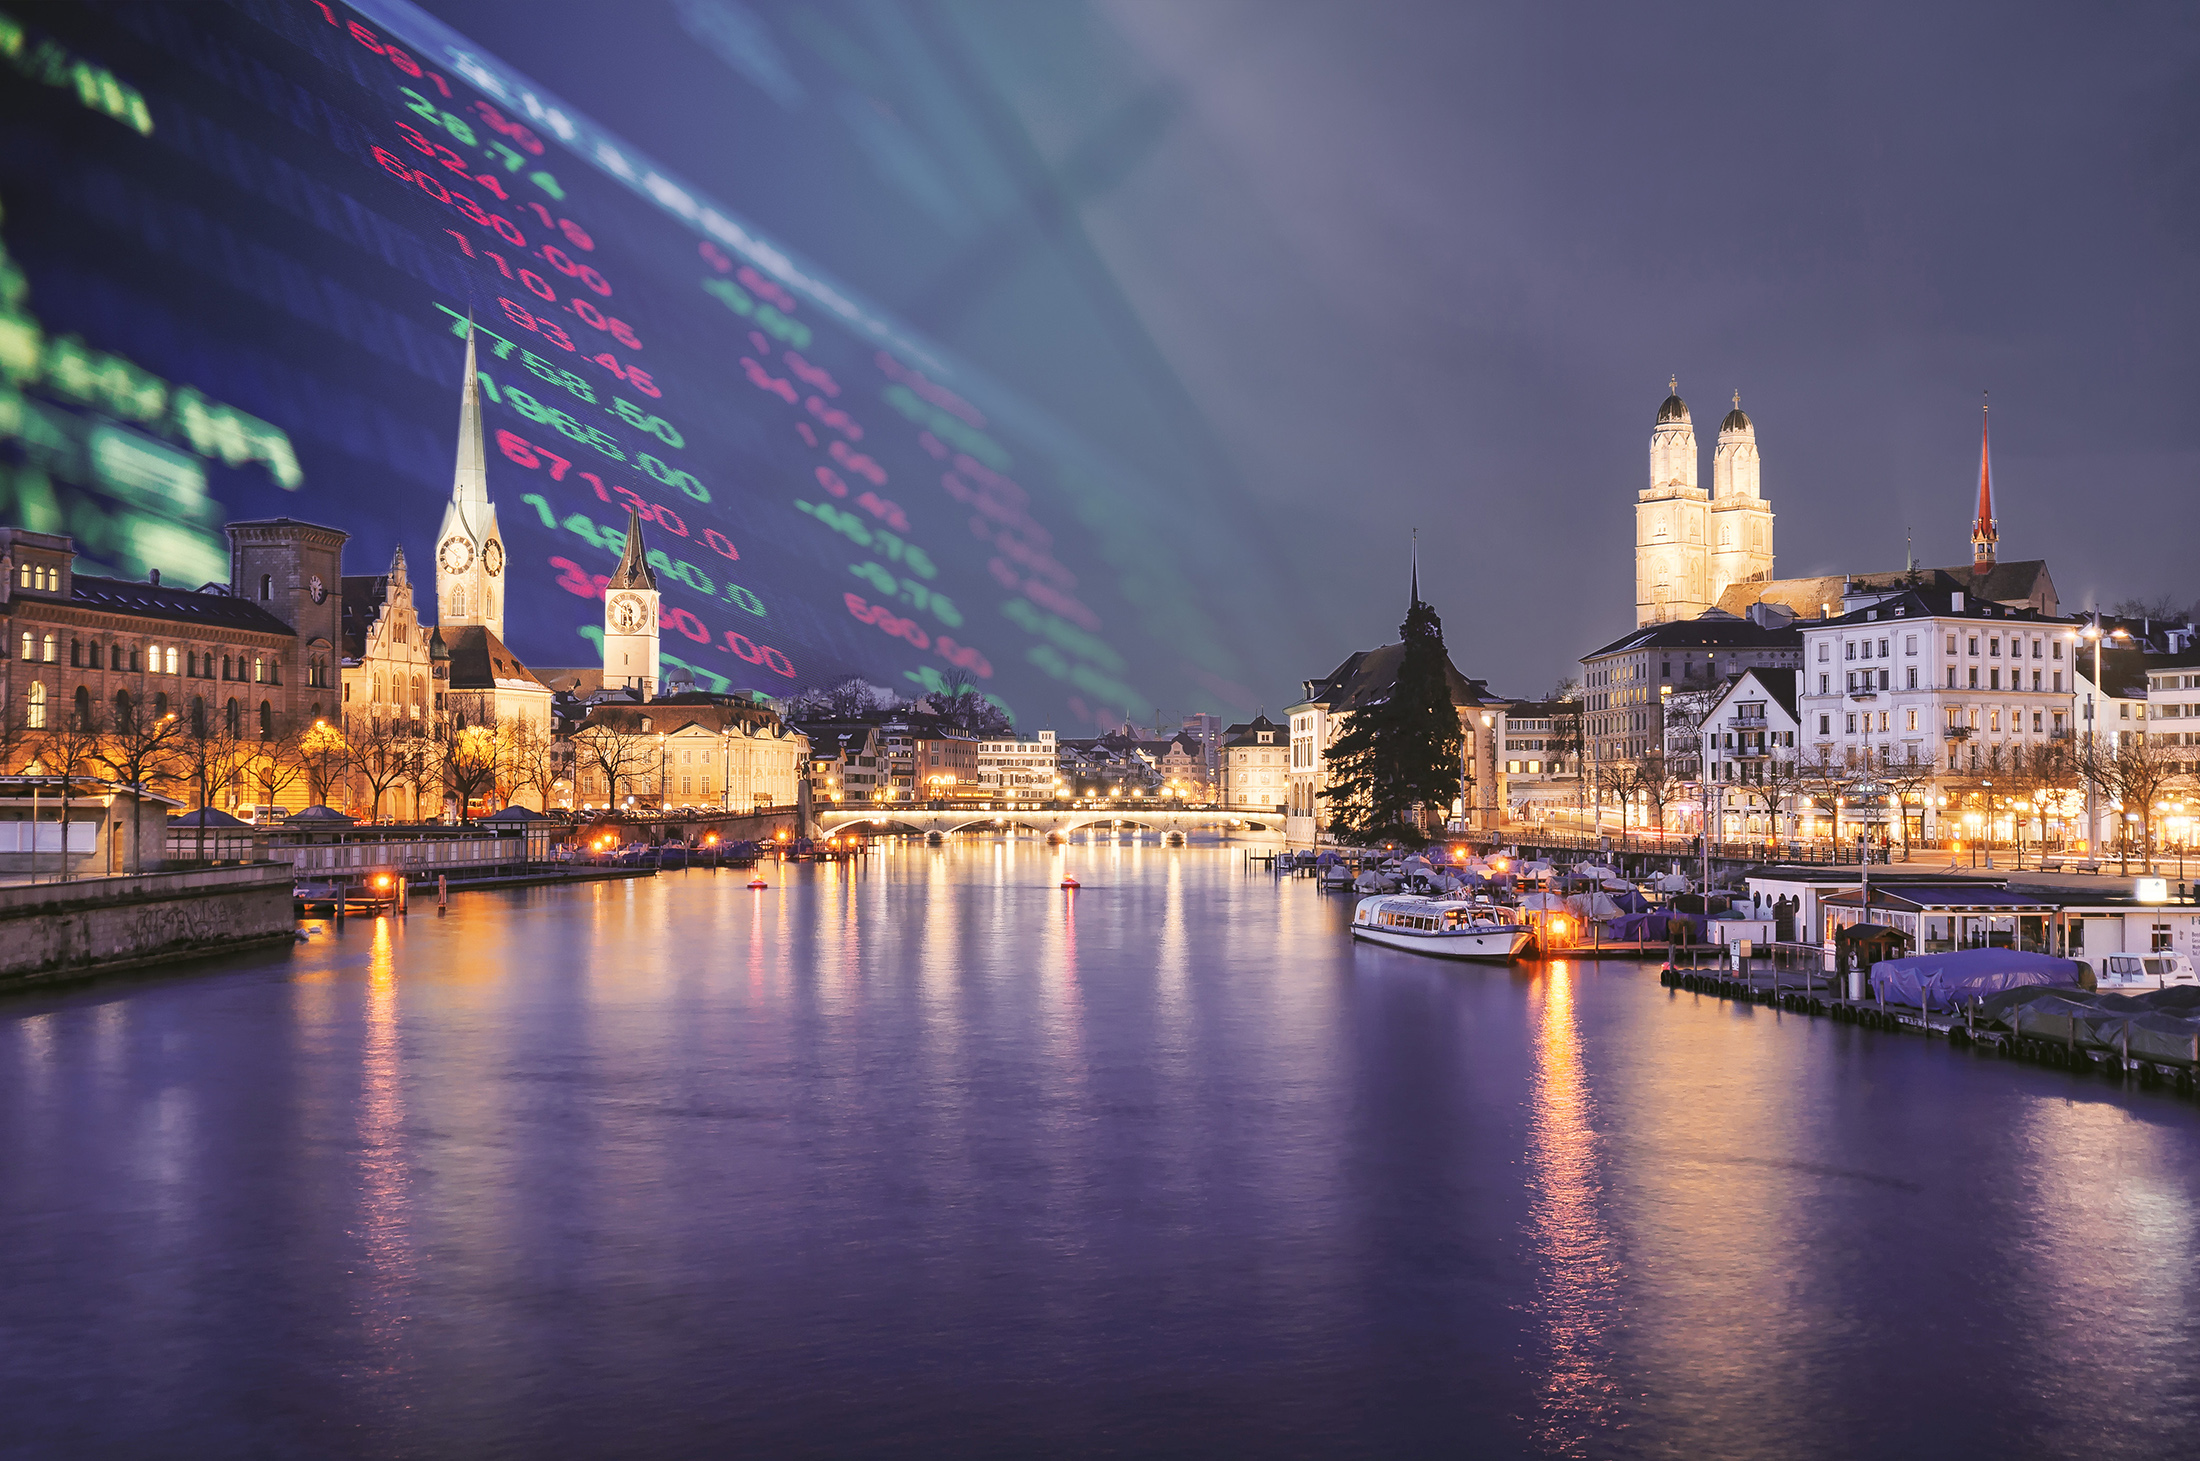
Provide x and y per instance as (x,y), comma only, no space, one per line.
(921,1155)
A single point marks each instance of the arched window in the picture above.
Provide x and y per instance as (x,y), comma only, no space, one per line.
(267,587)
(34,716)
(83,708)
(160,705)
(76,653)
(122,710)
(53,648)
(198,715)
(235,721)
(458,603)
(171,660)
(30,642)
(96,656)
(259,670)
(267,720)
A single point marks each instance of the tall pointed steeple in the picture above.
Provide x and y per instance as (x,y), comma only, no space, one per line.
(470,478)
(1414,597)
(630,604)
(1984,533)
(469,551)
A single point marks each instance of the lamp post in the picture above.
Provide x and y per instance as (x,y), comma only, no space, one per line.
(2093,632)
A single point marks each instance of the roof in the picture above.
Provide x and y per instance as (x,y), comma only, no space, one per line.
(1779,684)
(2020,581)
(364,598)
(1923,602)
(1714,631)
(1367,676)
(634,570)
(1920,896)
(183,606)
(1674,408)
(1736,420)
(479,660)
(1251,733)
(2123,671)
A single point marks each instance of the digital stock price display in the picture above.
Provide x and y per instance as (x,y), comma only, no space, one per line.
(243,244)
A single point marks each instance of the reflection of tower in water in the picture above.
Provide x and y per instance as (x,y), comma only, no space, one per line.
(1576,1278)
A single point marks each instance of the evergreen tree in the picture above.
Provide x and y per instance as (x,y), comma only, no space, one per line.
(1401,751)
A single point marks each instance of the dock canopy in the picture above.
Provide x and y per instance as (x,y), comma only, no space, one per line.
(1946,980)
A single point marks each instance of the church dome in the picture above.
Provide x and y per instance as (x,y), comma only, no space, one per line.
(1674,409)
(1735,419)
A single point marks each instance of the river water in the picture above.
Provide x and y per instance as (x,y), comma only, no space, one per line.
(931,1158)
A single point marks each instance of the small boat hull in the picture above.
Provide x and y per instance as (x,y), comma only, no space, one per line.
(1443,928)
(1497,945)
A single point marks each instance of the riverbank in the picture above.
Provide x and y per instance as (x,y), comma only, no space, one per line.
(59,931)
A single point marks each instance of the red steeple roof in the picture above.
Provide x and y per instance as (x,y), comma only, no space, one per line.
(1984,535)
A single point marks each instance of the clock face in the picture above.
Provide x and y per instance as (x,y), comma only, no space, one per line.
(456,555)
(318,589)
(492,557)
(627,613)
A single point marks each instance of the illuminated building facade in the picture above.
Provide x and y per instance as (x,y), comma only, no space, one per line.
(1255,766)
(1020,768)
(1690,547)
(102,649)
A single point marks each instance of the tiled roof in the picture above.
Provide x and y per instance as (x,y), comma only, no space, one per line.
(183,606)
(479,659)
(1715,631)
(364,598)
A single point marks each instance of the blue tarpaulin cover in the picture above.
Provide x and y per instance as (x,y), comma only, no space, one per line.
(1942,981)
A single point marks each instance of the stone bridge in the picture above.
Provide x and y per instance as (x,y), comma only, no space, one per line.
(1041,817)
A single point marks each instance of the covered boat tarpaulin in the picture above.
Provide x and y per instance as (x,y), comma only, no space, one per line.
(1542,903)
(1671,883)
(1941,981)
(1592,905)
(1646,928)
(1628,898)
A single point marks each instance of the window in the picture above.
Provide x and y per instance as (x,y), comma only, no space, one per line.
(1823,649)
(1993,646)
(1825,724)
(1823,687)
(1852,723)
(171,660)
(2058,679)
(198,715)
(267,587)
(1993,678)
(1910,723)
(259,669)
(95,654)
(52,646)
(1913,678)
(1955,718)
(1951,644)
(1974,644)
(1883,679)
(1882,720)
(34,716)
(2036,722)
(2035,679)
(30,645)
(2058,722)
(76,653)
(1951,677)
(1882,649)
(122,710)
(1974,676)
(267,720)
(1848,649)
(2056,653)
(2123,712)
(1909,644)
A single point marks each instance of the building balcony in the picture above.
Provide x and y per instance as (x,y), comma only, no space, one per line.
(1746,722)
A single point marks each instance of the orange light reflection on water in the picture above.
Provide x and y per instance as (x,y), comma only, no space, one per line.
(1576,1288)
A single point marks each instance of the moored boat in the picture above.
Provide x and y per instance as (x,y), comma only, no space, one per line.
(1449,928)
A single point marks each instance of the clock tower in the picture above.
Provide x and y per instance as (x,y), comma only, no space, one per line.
(469,551)
(630,618)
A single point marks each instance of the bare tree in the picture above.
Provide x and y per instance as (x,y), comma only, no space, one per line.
(384,751)
(325,755)
(138,750)
(469,765)
(614,743)
(2151,606)
(1907,781)
(1655,782)
(210,758)
(1825,782)
(67,747)
(528,760)
(2135,772)
(274,765)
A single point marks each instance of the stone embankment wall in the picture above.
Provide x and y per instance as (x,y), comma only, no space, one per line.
(55,931)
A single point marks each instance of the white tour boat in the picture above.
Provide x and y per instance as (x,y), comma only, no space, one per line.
(1450,928)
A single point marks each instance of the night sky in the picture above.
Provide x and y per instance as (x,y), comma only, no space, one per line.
(1362,267)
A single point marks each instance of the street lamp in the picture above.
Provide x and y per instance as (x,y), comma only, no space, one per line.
(2093,632)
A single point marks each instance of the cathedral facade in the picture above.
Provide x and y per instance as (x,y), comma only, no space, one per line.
(1690,545)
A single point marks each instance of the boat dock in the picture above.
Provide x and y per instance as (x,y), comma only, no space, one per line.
(1801,993)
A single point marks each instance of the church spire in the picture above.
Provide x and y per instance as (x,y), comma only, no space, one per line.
(470,479)
(634,570)
(1984,534)
(1414,595)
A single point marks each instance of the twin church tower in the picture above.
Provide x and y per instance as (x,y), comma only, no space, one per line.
(1690,546)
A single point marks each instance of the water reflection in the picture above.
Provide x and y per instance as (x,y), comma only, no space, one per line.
(384,1223)
(1576,1278)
